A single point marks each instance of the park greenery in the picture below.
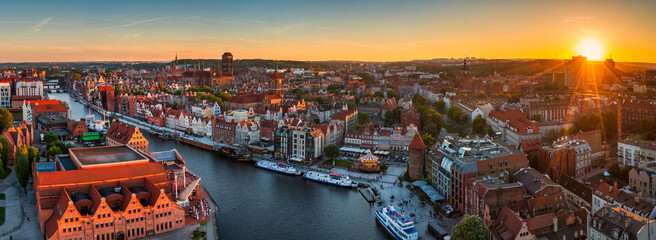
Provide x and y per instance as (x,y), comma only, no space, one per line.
(54,146)
(6,119)
(332,151)
(606,122)
(22,165)
(363,120)
(431,120)
(469,228)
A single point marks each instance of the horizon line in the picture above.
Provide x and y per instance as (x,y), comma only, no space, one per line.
(371,61)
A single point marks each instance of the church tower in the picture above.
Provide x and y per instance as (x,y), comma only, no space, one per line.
(277,79)
(226,64)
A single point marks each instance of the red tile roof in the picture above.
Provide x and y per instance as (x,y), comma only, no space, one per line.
(343,114)
(151,170)
(507,224)
(276,75)
(606,192)
(417,143)
(120,132)
(540,222)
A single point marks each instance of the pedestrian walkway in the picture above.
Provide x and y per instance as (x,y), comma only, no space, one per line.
(21,220)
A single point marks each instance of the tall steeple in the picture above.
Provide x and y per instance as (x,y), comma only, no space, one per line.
(175,63)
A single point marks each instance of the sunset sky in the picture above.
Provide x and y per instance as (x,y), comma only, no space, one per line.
(374,30)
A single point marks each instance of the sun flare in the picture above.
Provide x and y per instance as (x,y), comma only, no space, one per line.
(591,48)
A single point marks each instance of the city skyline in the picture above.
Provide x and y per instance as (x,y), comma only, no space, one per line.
(361,31)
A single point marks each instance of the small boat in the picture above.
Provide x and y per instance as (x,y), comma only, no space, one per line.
(398,226)
(280,167)
(332,179)
(234,154)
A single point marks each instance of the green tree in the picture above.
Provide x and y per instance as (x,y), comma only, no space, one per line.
(454,113)
(22,165)
(32,155)
(315,88)
(428,139)
(419,100)
(175,105)
(50,138)
(177,92)
(332,151)
(469,228)
(367,78)
(479,125)
(364,118)
(440,105)
(5,151)
(536,117)
(379,94)
(463,118)
(350,104)
(392,94)
(54,151)
(6,120)
(552,135)
(431,128)
(583,124)
(595,122)
(320,100)
(648,128)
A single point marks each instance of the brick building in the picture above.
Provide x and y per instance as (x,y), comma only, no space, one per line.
(570,157)
(416,158)
(18,135)
(123,134)
(514,126)
(32,109)
(454,161)
(223,132)
(488,194)
(410,116)
(112,192)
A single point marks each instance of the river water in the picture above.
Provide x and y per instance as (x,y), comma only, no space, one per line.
(258,204)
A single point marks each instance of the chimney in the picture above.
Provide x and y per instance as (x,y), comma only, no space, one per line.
(555,224)
(615,184)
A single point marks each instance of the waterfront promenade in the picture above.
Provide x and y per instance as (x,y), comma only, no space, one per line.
(240,209)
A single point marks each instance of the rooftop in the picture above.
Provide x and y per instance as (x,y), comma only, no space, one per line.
(105,155)
(640,143)
(471,150)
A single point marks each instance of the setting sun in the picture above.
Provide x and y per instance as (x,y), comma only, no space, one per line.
(591,48)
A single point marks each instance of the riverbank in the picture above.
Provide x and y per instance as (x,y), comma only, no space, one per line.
(260,204)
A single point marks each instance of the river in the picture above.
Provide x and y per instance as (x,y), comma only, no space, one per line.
(258,204)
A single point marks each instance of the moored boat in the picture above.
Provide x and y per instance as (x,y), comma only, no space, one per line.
(234,154)
(280,167)
(396,225)
(332,179)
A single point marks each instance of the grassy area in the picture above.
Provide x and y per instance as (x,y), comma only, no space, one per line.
(2,196)
(339,163)
(2,215)
(450,129)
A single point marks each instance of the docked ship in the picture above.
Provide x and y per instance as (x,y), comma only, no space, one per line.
(280,167)
(398,226)
(332,179)
(235,154)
